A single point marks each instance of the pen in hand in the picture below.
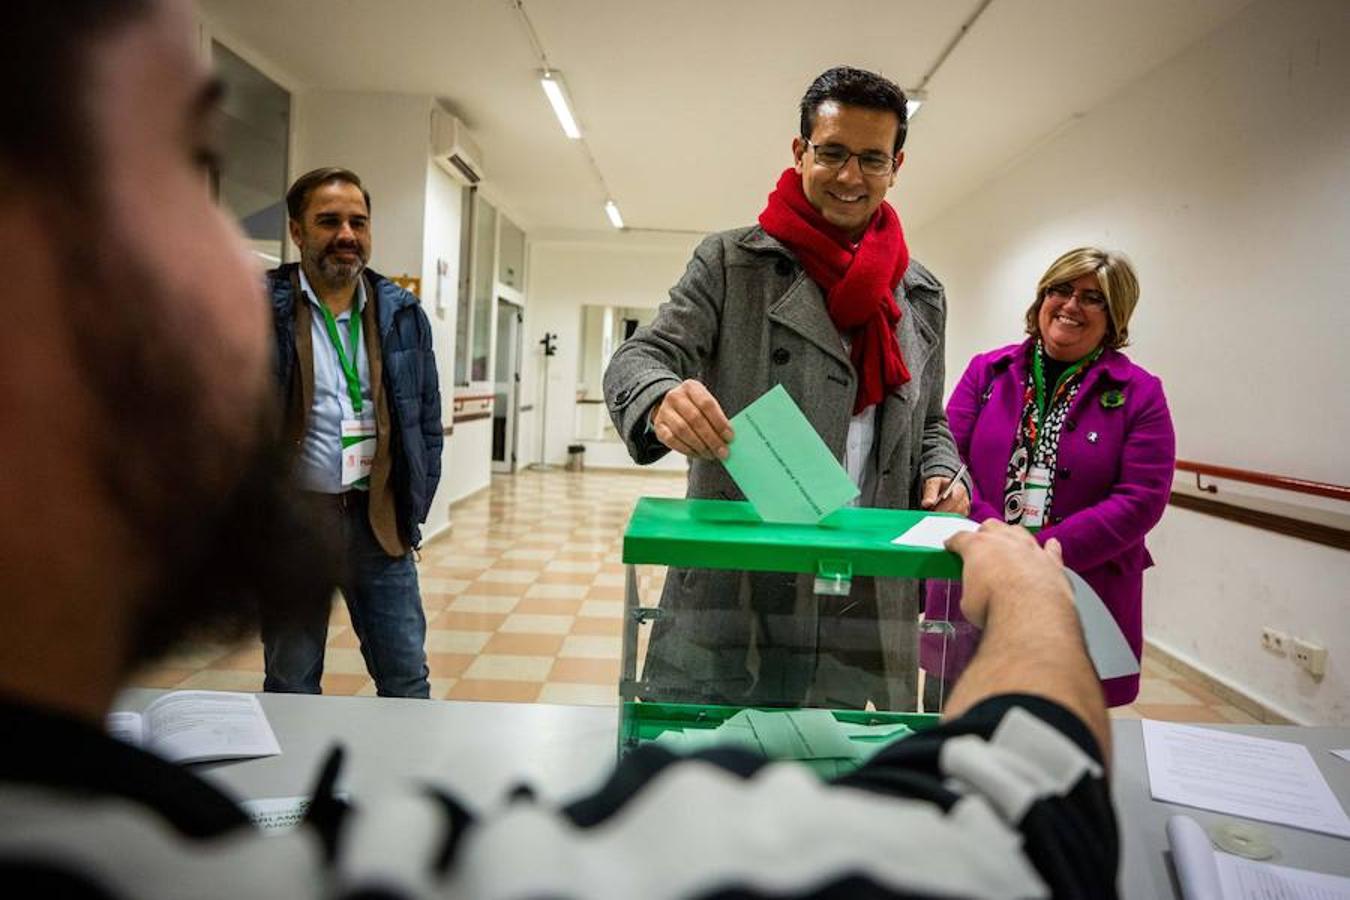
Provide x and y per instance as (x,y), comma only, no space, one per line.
(951,486)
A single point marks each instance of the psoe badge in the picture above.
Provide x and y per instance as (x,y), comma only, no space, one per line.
(358,450)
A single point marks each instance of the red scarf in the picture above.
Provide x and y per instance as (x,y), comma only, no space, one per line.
(859,285)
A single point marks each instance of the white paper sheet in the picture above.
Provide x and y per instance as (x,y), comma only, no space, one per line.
(197,726)
(1249,880)
(126,727)
(1106,645)
(1343,754)
(1272,781)
(932,531)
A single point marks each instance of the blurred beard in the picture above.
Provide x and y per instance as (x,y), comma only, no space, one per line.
(218,523)
(252,552)
(332,271)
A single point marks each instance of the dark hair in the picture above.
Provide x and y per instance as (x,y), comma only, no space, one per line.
(297,198)
(855,87)
(45,104)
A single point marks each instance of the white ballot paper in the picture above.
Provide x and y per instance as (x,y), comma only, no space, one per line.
(1206,874)
(198,726)
(1107,648)
(1273,781)
(932,531)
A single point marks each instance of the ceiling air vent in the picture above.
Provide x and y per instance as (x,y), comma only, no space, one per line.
(454,149)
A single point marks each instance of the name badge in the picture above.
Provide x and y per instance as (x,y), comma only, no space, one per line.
(1034,497)
(358,451)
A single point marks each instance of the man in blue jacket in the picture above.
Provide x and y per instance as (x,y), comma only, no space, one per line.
(362,410)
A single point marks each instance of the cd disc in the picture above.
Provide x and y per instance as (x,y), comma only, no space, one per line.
(1242,839)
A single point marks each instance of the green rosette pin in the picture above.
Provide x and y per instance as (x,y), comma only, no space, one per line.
(1113,399)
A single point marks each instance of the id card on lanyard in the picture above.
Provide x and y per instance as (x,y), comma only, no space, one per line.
(1036,488)
(358,433)
(358,451)
(1035,495)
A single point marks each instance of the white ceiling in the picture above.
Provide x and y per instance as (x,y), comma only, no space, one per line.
(689,106)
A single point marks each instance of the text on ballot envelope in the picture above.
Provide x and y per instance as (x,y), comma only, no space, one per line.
(781,464)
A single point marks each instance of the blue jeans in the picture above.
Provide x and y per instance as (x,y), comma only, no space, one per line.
(385,606)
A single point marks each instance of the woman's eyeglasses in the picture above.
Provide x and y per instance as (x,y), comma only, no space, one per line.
(1089,298)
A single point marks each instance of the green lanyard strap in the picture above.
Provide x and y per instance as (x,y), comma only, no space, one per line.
(347,362)
(1038,379)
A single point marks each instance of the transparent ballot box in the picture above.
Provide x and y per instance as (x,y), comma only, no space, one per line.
(729,619)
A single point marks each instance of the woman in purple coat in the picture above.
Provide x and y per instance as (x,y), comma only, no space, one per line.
(1068,438)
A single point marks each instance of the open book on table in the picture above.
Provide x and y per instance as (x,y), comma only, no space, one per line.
(198,726)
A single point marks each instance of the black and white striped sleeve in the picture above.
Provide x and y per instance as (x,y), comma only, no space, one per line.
(1009,800)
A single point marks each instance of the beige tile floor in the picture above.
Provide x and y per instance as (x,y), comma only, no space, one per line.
(523,600)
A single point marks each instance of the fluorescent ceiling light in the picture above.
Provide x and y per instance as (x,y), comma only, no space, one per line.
(612,210)
(557,98)
(914,100)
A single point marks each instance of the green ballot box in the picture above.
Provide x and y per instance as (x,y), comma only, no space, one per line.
(799,640)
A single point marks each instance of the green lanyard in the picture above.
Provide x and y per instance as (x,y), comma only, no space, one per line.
(348,363)
(1038,379)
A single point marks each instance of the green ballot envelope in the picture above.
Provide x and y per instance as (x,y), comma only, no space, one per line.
(782,466)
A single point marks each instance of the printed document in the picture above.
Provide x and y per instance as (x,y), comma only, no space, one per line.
(781,464)
(199,726)
(273,814)
(1257,778)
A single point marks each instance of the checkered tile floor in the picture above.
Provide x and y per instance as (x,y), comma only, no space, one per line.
(523,601)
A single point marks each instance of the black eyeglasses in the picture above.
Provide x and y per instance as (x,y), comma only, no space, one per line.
(1064,290)
(836,156)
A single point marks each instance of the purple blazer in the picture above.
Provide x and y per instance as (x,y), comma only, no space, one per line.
(1112,481)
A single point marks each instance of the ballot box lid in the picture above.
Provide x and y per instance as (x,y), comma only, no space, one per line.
(728,534)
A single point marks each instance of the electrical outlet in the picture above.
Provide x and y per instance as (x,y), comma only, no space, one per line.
(1274,640)
(1310,656)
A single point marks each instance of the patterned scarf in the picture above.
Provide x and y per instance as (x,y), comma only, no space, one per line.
(859,285)
(1036,443)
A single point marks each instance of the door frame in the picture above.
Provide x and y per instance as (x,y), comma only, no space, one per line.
(510,463)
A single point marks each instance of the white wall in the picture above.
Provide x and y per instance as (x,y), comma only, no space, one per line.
(439,298)
(636,271)
(384,139)
(1225,175)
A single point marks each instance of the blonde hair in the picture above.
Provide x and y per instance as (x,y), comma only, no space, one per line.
(1116,276)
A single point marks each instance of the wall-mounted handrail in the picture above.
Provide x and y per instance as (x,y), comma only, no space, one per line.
(1280,518)
(1283,482)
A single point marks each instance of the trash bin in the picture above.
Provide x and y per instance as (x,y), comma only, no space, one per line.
(576,457)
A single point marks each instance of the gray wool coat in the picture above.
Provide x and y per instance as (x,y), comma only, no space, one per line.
(743,318)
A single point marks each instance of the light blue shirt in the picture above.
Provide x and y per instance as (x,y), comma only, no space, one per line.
(319,467)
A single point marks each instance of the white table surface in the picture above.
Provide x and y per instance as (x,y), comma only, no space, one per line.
(1145,865)
(481,750)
